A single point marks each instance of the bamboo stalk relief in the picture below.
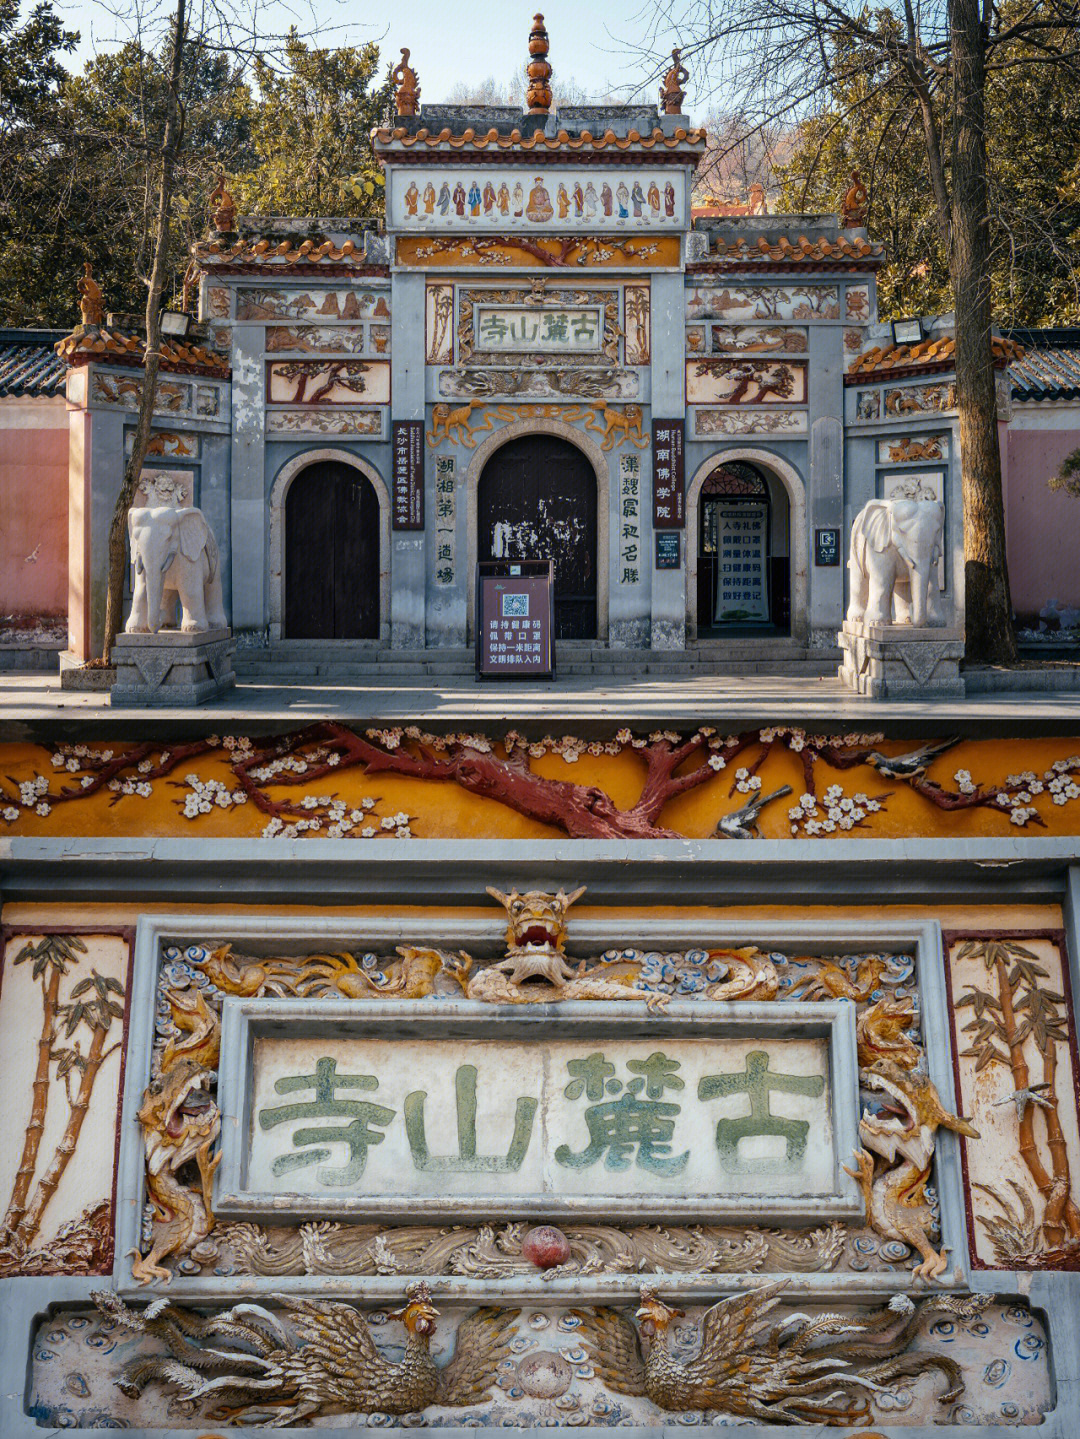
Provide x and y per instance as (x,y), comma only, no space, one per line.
(78,997)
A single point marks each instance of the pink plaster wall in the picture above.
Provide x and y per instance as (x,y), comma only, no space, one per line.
(1042,526)
(33,505)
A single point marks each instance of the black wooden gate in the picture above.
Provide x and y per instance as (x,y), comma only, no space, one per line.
(537,501)
(331,555)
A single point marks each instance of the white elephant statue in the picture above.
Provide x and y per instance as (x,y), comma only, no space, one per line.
(893,563)
(175,557)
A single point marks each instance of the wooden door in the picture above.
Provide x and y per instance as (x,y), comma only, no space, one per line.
(331,555)
(537,501)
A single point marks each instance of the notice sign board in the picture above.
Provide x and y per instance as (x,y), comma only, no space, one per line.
(407,443)
(740,589)
(668,549)
(669,501)
(515,619)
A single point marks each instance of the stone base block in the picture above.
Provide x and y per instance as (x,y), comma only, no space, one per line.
(172,668)
(901,661)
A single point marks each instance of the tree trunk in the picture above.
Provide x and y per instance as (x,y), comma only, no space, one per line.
(32,1141)
(988,604)
(170,148)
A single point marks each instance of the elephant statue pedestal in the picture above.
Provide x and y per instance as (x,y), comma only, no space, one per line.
(901,661)
(172,668)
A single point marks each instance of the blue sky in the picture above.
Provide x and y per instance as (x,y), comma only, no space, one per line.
(592,43)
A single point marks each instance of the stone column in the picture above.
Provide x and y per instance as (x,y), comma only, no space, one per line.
(668,403)
(408,577)
(825,507)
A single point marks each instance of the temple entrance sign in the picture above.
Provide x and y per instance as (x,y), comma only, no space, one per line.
(331,555)
(537,500)
(726,1113)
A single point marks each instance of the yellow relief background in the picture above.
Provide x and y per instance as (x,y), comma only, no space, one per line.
(441,809)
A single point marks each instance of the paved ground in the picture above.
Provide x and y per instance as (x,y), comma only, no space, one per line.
(741,702)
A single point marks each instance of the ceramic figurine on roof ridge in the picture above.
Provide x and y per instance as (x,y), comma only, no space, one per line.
(222,207)
(407,95)
(854,204)
(91,300)
(672,94)
(538,70)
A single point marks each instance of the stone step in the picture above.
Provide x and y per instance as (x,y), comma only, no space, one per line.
(267,673)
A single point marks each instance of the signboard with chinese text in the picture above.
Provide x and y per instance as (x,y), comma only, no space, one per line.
(669,500)
(407,443)
(548,330)
(699,1116)
(515,619)
(742,539)
(668,549)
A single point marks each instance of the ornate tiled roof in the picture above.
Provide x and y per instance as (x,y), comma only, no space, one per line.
(1050,367)
(286,254)
(760,247)
(29,365)
(473,139)
(927,356)
(94,342)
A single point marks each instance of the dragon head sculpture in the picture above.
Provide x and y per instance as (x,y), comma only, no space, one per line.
(178,1115)
(908,1116)
(536,920)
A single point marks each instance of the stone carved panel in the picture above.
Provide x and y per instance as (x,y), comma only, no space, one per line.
(327,382)
(857,302)
(259,303)
(868,404)
(1017,1074)
(908,450)
(173,397)
(175,488)
(325,422)
(316,339)
(560,201)
(637,324)
(583,1119)
(916,399)
(168,444)
(609,383)
(756,339)
(745,382)
(747,303)
(750,422)
(61,1034)
(524,252)
(439,303)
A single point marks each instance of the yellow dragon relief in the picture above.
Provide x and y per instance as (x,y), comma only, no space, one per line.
(181,1124)
(904,1129)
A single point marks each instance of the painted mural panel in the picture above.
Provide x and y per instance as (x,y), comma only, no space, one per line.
(750,422)
(258,303)
(1017,1077)
(62,1018)
(954,788)
(745,382)
(745,303)
(637,324)
(327,382)
(562,199)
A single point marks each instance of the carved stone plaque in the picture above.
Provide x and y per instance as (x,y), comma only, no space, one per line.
(717,1114)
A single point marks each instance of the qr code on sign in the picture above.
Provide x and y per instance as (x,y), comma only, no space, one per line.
(515,607)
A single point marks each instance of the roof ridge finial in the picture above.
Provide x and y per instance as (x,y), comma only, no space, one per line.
(538,70)
(853,206)
(222,207)
(407,97)
(671,92)
(91,300)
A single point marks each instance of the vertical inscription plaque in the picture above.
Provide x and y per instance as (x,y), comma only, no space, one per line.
(407,440)
(669,501)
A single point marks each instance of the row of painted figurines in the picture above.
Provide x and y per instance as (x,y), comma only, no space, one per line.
(502,203)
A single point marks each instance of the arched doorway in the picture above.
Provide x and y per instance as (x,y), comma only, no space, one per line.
(331,557)
(743,552)
(536,499)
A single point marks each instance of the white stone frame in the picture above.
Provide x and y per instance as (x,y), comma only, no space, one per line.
(798,538)
(277,579)
(517,430)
